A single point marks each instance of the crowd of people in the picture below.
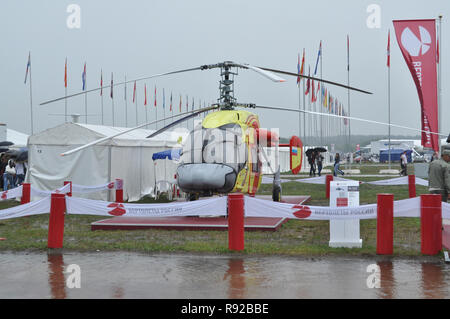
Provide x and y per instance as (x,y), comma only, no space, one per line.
(12,173)
(315,160)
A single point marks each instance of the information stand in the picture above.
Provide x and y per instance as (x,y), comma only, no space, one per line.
(344,233)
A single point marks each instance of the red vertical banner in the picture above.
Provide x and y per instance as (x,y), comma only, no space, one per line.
(417,41)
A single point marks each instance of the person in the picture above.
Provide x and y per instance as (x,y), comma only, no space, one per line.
(20,173)
(403,164)
(434,157)
(439,174)
(337,159)
(3,163)
(319,160)
(312,164)
(9,175)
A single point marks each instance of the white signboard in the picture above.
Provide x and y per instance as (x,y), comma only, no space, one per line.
(344,233)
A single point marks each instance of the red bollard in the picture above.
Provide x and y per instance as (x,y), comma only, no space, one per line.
(329,178)
(412,186)
(235,221)
(70,192)
(56,221)
(119,190)
(431,224)
(26,189)
(385,224)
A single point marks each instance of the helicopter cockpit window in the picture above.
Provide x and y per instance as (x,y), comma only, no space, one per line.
(222,145)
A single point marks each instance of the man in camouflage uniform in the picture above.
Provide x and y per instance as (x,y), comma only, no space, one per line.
(439,174)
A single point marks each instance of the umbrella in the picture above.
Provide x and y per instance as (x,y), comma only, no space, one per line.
(22,156)
(2,150)
(309,152)
(6,143)
(12,153)
(320,149)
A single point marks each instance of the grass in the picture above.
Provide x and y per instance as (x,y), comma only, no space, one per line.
(295,237)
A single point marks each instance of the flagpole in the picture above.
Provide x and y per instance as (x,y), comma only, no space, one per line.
(126,102)
(321,97)
(304,109)
(348,97)
(85,94)
(299,98)
(389,101)
(31,100)
(439,82)
(101,94)
(135,103)
(65,92)
(156,110)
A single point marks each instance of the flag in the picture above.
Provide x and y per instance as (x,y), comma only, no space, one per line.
(112,85)
(155,95)
(145,94)
(308,83)
(83,77)
(134,91)
(313,95)
(101,82)
(417,42)
(193,104)
(180,102)
(187,103)
(170,101)
(28,67)
(65,74)
(389,50)
(298,70)
(318,56)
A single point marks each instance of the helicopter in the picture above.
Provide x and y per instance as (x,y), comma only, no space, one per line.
(224,152)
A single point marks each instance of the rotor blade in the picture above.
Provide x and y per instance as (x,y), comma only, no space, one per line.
(134,128)
(264,73)
(121,83)
(206,109)
(313,78)
(346,117)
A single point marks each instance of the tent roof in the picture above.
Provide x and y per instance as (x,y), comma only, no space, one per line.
(77,134)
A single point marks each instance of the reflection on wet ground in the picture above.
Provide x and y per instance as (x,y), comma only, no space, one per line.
(129,275)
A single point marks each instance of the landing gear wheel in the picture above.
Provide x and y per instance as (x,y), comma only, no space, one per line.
(276,194)
(192,197)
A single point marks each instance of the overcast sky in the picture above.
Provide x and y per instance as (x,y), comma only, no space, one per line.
(140,38)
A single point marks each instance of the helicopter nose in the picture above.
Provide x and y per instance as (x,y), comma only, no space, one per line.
(201,177)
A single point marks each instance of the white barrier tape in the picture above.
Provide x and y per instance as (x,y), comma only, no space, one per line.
(38,207)
(40,193)
(322,180)
(204,207)
(255,207)
(91,189)
(269,180)
(11,193)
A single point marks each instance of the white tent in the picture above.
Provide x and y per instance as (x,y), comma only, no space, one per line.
(128,157)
